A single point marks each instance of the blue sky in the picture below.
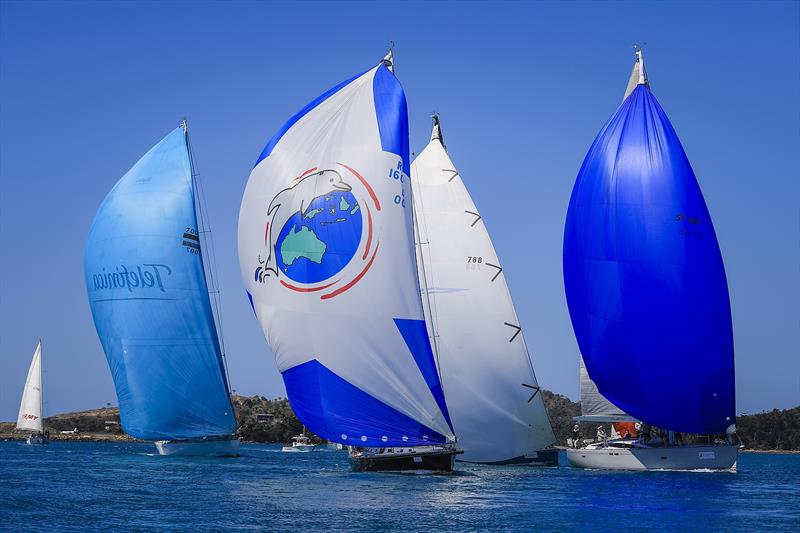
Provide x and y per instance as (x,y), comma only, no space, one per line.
(522,88)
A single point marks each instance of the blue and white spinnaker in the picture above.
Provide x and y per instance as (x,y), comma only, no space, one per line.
(326,250)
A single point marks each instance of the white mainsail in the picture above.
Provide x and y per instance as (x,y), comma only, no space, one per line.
(594,406)
(30,409)
(486,371)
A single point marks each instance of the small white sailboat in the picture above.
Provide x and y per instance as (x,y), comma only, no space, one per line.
(300,443)
(30,408)
(487,373)
(648,299)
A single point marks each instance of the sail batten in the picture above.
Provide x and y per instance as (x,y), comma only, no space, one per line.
(644,276)
(327,255)
(149,298)
(487,374)
(30,408)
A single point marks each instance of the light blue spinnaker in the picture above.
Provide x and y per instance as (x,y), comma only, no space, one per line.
(644,277)
(149,299)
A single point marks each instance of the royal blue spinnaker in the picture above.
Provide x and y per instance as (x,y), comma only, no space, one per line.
(644,276)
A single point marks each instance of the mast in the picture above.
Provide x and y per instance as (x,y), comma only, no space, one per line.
(640,60)
(436,133)
(204,232)
(41,386)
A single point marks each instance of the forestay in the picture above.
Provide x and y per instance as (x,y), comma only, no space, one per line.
(149,299)
(327,255)
(30,408)
(644,276)
(491,389)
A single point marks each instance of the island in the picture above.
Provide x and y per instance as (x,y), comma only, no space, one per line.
(272,421)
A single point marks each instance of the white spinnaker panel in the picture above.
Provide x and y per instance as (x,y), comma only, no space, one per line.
(30,409)
(592,402)
(487,375)
(345,322)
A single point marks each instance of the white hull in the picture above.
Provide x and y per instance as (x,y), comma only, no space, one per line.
(205,448)
(331,446)
(303,448)
(690,457)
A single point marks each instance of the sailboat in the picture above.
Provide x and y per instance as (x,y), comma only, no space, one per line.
(326,249)
(648,297)
(149,295)
(491,389)
(30,408)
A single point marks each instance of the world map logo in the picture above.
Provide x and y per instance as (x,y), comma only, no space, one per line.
(316,245)
(316,228)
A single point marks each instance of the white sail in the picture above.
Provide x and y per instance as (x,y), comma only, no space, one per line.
(638,74)
(30,409)
(487,375)
(594,406)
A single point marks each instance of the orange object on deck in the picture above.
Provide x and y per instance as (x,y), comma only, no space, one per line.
(624,429)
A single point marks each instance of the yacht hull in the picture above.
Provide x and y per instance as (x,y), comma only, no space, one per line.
(718,457)
(544,457)
(37,438)
(202,448)
(303,448)
(433,458)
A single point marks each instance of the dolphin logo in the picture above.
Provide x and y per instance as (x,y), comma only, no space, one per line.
(293,200)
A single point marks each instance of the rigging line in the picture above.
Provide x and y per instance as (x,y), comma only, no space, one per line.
(421,267)
(427,273)
(42,396)
(208,237)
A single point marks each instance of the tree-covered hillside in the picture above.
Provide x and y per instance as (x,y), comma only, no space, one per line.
(770,430)
(263,420)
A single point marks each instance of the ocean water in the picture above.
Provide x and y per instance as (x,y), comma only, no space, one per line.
(78,486)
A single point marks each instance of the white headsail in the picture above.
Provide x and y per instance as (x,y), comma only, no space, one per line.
(30,409)
(487,375)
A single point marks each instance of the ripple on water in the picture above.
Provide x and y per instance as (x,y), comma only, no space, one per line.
(72,485)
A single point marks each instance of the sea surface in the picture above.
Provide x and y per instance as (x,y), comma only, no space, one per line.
(79,486)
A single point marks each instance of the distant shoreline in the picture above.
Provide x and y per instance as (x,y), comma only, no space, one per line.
(76,437)
(272,421)
(778,452)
